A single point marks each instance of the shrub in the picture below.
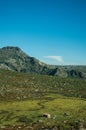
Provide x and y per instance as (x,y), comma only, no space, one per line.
(24,119)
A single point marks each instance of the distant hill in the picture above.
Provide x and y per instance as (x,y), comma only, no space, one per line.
(13,58)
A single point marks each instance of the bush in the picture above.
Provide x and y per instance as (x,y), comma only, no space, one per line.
(24,119)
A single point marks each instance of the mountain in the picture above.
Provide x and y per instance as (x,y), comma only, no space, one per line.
(13,58)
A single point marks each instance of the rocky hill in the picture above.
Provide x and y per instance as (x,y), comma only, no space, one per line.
(13,58)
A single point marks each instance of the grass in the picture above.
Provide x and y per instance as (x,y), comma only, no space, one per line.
(20,86)
(61,108)
(25,97)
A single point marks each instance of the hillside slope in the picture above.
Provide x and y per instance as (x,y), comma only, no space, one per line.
(13,58)
(20,86)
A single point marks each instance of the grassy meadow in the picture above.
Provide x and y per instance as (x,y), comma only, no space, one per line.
(25,98)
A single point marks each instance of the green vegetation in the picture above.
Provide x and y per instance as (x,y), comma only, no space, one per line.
(64,111)
(24,98)
(20,86)
(58,92)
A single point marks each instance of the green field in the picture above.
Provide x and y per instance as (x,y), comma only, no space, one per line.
(25,98)
(64,111)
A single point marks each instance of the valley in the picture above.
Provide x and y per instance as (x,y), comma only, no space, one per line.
(37,96)
(24,98)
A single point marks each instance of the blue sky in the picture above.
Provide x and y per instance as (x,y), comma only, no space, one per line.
(54,31)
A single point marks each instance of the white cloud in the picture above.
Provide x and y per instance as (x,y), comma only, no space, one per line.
(56,58)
